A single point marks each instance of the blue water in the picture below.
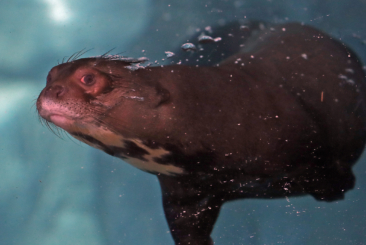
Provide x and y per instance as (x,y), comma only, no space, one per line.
(59,191)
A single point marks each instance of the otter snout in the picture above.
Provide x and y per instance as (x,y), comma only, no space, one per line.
(55,91)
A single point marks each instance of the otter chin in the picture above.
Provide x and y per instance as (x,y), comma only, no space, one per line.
(283,115)
(60,121)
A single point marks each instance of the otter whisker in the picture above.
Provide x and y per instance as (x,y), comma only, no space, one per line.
(81,53)
(103,56)
(53,128)
(76,55)
(63,60)
(33,105)
(72,138)
(72,56)
(40,119)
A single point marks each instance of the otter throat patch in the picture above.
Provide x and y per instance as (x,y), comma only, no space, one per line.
(132,151)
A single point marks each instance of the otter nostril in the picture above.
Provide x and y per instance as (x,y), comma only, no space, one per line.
(55,91)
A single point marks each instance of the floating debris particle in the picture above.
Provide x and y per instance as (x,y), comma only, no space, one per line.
(188,47)
(356,36)
(209,29)
(305,56)
(169,54)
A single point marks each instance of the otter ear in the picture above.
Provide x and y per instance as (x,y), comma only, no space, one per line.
(162,96)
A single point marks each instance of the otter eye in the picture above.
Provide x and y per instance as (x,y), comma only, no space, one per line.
(88,79)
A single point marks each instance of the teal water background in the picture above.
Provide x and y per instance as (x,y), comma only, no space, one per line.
(59,191)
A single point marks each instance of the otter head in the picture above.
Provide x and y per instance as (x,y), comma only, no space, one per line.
(107,106)
(98,92)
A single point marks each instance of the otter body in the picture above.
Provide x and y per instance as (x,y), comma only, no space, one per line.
(284,116)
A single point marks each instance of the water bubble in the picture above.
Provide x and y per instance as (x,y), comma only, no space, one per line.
(137,66)
(142,59)
(188,47)
(169,54)
(244,28)
(123,58)
(217,39)
(343,77)
(205,39)
(133,67)
(135,98)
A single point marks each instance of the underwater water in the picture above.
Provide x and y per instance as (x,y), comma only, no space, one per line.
(59,191)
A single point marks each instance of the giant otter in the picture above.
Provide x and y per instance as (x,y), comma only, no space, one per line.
(284,116)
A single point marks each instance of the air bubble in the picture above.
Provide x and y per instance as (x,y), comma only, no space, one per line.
(188,47)
(169,54)
(207,39)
